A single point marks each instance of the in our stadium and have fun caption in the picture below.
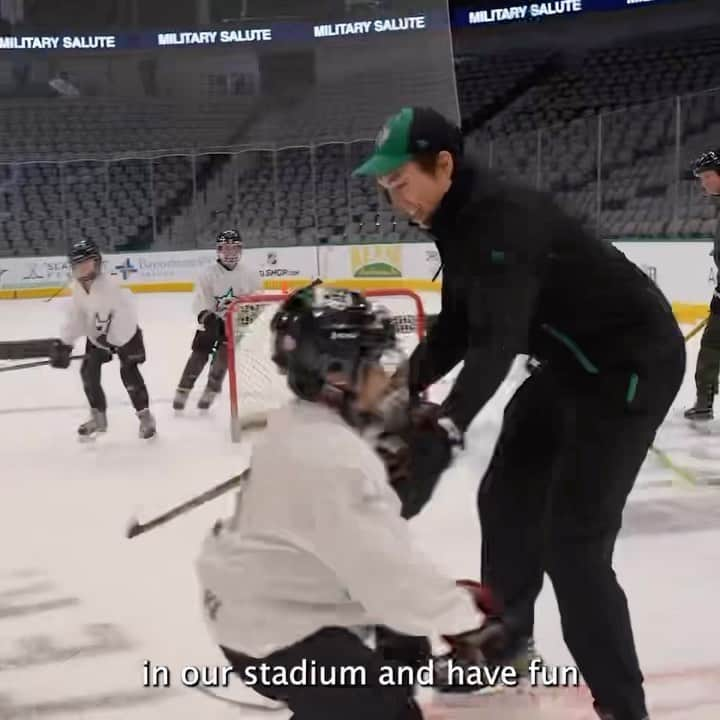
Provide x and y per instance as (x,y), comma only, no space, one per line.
(311,673)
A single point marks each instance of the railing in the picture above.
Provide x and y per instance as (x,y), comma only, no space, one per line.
(625,173)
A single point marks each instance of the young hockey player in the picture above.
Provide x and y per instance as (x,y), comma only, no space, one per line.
(522,277)
(105,314)
(707,372)
(216,288)
(317,550)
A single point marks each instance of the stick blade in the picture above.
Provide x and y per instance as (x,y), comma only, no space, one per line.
(133,529)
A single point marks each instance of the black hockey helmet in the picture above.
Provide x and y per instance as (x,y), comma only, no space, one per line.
(319,330)
(229,247)
(229,236)
(709,160)
(82,250)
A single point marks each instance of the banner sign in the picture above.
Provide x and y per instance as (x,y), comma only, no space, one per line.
(158,267)
(483,12)
(224,37)
(683,270)
(416,261)
(492,11)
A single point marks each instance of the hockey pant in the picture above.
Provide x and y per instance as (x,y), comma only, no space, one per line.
(202,347)
(707,372)
(356,695)
(130,355)
(552,500)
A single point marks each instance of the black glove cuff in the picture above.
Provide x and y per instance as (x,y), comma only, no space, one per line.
(455,435)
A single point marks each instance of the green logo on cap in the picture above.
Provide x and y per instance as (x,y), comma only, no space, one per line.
(391,146)
(382,136)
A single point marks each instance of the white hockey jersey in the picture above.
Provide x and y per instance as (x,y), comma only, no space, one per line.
(108,309)
(217,287)
(318,540)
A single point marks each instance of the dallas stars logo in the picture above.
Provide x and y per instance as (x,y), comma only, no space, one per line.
(222,301)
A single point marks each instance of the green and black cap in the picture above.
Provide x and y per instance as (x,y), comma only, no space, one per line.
(412,131)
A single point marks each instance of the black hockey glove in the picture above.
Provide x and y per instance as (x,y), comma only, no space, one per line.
(429,455)
(415,458)
(394,451)
(494,642)
(417,455)
(60,355)
(212,325)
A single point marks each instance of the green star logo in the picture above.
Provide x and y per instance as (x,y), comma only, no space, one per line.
(222,301)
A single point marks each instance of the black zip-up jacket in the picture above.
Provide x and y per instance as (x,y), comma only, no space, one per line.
(715,302)
(716,244)
(520,276)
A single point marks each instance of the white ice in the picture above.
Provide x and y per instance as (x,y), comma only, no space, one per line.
(82,608)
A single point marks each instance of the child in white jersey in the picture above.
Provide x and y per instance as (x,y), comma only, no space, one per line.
(103,312)
(216,288)
(317,548)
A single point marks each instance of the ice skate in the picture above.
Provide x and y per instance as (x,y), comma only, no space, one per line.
(206,399)
(702,410)
(523,659)
(147,424)
(181,398)
(96,424)
(456,680)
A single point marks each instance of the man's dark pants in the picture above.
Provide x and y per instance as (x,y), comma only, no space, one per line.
(552,499)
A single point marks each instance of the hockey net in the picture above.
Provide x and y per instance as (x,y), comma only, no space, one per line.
(255,385)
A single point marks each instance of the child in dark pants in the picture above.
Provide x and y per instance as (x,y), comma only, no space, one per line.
(317,547)
(105,314)
(334,649)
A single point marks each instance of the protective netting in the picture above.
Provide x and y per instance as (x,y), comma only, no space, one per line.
(251,116)
(256,387)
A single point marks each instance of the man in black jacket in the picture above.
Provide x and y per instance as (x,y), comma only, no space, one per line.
(707,372)
(522,277)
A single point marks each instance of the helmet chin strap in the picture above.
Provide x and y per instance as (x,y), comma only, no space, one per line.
(343,399)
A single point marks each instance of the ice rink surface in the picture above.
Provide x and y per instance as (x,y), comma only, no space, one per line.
(82,608)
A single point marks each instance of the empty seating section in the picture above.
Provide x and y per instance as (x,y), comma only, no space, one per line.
(293,196)
(304,194)
(631,118)
(485,80)
(354,106)
(68,128)
(610,133)
(44,205)
(115,201)
(607,79)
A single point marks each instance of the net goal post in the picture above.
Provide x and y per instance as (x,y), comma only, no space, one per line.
(255,386)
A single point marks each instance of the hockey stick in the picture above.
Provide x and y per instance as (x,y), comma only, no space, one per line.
(136,528)
(686,475)
(696,329)
(52,297)
(39,363)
